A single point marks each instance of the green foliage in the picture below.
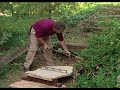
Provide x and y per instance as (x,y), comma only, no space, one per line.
(13,33)
(71,13)
(98,81)
(5,37)
(101,57)
(11,73)
(83,13)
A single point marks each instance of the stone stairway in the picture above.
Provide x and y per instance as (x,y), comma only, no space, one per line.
(45,77)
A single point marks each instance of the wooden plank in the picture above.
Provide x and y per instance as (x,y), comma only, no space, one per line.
(29,84)
(50,75)
(15,54)
(51,83)
(72,46)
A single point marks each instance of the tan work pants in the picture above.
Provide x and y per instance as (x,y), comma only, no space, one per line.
(34,45)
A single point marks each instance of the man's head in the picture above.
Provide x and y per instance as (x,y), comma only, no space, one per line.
(59,26)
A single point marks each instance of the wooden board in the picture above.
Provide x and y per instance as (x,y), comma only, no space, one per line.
(72,46)
(13,55)
(50,75)
(29,84)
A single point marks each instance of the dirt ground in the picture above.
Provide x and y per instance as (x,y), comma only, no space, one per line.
(59,60)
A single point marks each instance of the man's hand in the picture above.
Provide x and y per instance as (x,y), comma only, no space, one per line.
(67,53)
(65,48)
(46,47)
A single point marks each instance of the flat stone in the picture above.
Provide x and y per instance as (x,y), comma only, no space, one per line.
(118,79)
(117,85)
(29,84)
(51,74)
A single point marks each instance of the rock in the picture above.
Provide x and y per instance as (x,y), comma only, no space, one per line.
(118,79)
(29,84)
(51,72)
(63,86)
(118,86)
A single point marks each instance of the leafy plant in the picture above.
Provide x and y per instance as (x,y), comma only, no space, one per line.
(101,57)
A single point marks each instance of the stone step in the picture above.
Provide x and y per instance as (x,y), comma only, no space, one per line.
(51,73)
(29,84)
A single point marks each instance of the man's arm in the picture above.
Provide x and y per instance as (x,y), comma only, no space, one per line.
(62,42)
(64,47)
(45,46)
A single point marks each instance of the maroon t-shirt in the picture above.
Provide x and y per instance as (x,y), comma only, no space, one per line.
(44,27)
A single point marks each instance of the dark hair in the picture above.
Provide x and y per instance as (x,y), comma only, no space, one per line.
(59,25)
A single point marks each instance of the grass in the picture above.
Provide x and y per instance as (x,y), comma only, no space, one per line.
(11,72)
